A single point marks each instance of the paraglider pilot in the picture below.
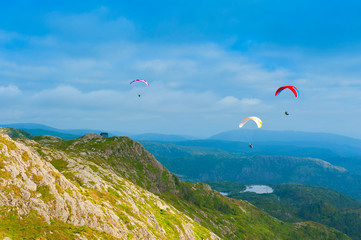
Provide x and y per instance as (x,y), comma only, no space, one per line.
(287,113)
(250,145)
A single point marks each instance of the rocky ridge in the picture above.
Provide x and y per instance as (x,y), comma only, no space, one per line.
(84,194)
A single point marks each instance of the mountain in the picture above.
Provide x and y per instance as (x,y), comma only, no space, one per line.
(297,202)
(197,163)
(94,187)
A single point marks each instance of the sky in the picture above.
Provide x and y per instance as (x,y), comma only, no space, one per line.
(209,64)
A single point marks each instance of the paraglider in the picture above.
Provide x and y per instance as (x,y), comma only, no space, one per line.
(139,80)
(256,120)
(292,88)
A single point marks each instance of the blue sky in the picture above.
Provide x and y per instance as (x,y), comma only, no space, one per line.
(209,64)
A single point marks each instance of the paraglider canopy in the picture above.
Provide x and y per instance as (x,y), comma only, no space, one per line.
(292,88)
(255,119)
(140,80)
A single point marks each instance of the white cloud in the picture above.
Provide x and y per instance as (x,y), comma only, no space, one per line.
(9,91)
(251,101)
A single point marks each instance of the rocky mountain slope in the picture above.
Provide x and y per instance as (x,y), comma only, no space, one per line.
(92,202)
(112,188)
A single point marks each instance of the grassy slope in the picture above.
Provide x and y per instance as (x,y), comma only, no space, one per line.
(33,226)
(16,133)
(297,202)
(228,218)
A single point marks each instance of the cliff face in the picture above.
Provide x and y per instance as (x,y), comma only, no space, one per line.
(84,198)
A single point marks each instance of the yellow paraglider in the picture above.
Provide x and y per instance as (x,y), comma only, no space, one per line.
(255,119)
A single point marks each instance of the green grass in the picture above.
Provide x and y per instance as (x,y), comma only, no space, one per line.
(46,196)
(33,226)
(10,145)
(60,164)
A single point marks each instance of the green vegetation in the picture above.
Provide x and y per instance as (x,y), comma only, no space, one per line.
(16,133)
(10,145)
(297,202)
(46,196)
(33,226)
(226,186)
(3,173)
(25,156)
(59,164)
(248,222)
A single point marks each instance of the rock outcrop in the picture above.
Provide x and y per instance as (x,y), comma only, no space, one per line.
(85,194)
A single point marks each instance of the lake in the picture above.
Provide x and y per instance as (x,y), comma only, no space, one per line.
(260,189)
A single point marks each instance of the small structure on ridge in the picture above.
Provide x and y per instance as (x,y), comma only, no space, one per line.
(104,134)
